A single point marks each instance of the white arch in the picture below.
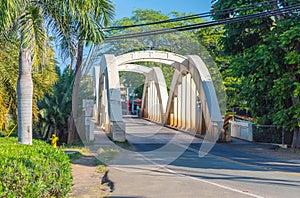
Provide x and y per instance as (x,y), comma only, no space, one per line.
(167,58)
(184,64)
(207,97)
(109,82)
(108,95)
(155,75)
(134,68)
(192,64)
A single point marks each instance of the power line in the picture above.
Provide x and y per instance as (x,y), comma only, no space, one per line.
(201,15)
(189,17)
(287,9)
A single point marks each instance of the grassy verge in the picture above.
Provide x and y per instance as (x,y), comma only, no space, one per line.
(78,150)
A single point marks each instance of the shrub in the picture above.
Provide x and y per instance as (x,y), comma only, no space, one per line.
(35,170)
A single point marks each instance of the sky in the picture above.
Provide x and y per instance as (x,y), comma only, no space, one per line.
(124,8)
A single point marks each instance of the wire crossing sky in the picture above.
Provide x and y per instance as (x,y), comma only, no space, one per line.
(239,18)
(206,14)
(124,8)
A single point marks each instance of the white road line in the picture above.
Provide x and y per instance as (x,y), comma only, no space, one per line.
(212,183)
(201,180)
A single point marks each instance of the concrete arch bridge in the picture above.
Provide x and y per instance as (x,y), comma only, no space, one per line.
(191,104)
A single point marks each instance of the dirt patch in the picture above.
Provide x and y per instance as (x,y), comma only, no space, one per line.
(89,181)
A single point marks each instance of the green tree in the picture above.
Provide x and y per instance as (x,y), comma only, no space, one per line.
(31,19)
(185,43)
(44,76)
(90,30)
(202,42)
(55,108)
(8,68)
(265,58)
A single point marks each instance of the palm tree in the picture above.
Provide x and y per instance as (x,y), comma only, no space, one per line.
(102,13)
(67,20)
(44,76)
(8,70)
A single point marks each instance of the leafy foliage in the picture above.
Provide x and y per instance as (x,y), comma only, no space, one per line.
(265,59)
(55,108)
(8,80)
(31,21)
(33,171)
(44,76)
(184,43)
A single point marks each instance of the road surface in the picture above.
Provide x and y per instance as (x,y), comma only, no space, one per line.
(238,169)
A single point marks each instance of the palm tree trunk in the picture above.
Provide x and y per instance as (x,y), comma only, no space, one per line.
(25,93)
(74,130)
(79,55)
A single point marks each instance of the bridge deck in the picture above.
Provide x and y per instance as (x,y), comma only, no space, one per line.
(156,164)
(141,131)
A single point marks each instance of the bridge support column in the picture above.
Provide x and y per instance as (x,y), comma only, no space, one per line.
(117,131)
(116,127)
(175,111)
(188,102)
(179,109)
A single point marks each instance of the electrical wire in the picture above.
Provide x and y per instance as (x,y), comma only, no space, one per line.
(274,12)
(201,15)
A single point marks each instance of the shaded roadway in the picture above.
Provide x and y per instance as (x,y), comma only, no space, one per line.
(237,169)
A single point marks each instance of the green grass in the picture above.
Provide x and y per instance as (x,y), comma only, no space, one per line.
(124,145)
(107,154)
(79,147)
(101,168)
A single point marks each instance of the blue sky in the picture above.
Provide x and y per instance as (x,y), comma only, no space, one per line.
(123,8)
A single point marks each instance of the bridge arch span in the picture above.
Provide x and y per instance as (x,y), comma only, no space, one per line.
(155,94)
(191,81)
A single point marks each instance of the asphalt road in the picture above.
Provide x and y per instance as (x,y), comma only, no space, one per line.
(158,167)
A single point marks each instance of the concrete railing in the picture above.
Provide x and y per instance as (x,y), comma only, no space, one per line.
(241,130)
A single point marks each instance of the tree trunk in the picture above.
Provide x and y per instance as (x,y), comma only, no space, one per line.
(73,131)
(25,93)
(296,138)
(79,55)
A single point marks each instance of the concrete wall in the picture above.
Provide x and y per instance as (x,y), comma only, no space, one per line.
(241,130)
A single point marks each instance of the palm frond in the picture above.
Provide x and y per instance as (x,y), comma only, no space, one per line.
(104,10)
(8,79)
(10,10)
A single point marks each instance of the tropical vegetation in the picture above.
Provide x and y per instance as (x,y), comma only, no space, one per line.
(31,23)
(33,171)
(55,109)
(264,62)
(259,59)
(43,76)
